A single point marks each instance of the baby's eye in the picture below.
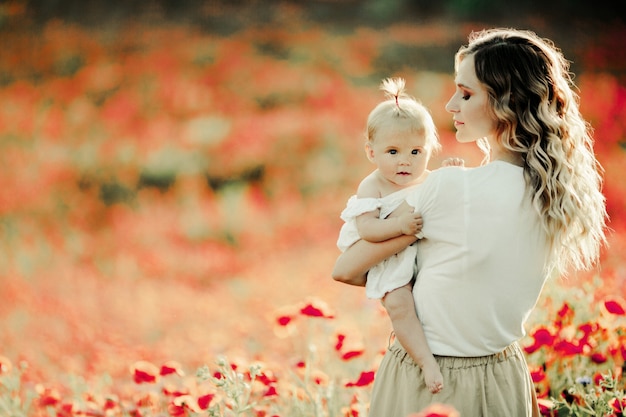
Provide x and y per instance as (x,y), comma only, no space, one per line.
(393,151)
(416,151)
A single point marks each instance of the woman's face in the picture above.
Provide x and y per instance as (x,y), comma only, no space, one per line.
(469,105)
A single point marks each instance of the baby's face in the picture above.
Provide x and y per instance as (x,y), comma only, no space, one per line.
(400,155)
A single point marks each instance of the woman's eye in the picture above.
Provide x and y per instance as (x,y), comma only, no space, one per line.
(466,96)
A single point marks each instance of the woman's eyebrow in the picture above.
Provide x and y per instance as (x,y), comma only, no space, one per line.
(463,86)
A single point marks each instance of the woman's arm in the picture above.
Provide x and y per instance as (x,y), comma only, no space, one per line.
(352,265)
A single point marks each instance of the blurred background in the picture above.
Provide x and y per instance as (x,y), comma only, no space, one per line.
(172,172)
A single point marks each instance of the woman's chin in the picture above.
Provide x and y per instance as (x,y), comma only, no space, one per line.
(461,138)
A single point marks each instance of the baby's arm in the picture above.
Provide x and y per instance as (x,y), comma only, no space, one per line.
(351,266)
(374,229)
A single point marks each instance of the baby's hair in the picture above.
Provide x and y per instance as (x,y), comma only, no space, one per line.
(401,111)
(394,89)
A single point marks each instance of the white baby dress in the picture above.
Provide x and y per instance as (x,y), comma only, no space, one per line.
(394,272)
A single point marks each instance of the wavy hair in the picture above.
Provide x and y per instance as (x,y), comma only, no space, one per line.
(401,111)
(532,96)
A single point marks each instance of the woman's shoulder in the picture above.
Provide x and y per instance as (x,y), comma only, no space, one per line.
(446,173)
(456,172)
(450,179)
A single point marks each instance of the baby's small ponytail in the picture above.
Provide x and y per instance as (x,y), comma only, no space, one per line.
(394,89)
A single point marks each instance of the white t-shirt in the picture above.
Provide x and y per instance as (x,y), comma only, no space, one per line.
(482,262)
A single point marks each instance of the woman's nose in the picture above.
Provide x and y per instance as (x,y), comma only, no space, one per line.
(451,106)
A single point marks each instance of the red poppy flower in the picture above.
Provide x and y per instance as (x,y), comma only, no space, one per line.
(365,379)
(532,348)
(353,410)
(48,397)
(312,311)
(174,391)
(271,392)
(597,378)
(564,311)
(598,357)
(144,372)
(352,354)
(135,412)
(317,308)
(615,307)
(567,348)
(546,406)
(437,410)
(266,378)
(171,367)
(67,409)
(564,315)
(542,337)
(284,320)
(204,401)
(176,410)
(110,404)
(588,328)
(538,375)
(319,377)
(340,339)
(179,405)
(618,406)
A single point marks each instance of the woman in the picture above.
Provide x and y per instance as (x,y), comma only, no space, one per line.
(493,234)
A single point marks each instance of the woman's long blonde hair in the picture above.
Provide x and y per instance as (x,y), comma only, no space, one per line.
(531,94)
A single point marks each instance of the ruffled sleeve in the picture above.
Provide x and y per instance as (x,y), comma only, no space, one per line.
(357,206)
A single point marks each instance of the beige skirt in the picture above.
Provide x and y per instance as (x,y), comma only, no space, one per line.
(487,386)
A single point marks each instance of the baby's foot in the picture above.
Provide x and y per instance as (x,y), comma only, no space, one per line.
(433,377)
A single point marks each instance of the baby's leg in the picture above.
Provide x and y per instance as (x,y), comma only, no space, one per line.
(408,329)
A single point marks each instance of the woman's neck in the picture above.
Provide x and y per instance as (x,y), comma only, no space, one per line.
(506,156)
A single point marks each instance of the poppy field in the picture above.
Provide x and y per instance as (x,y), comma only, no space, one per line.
(170,205)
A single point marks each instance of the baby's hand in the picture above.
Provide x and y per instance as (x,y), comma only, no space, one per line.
(410,223)
(453,162)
